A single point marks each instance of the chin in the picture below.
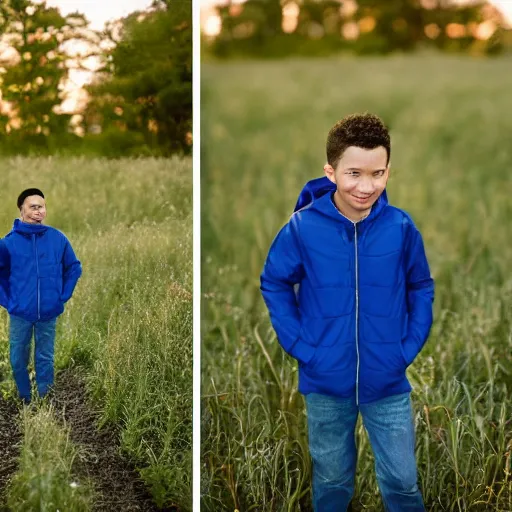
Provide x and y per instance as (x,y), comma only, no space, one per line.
(363,206)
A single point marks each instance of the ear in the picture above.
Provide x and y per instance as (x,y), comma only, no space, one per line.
(329,172)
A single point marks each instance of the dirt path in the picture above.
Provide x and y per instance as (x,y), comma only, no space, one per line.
(116,481)
(10,437)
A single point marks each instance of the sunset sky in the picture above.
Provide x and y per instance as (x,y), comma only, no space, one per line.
(99,11)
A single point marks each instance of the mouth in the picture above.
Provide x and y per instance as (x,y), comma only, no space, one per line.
(362,199)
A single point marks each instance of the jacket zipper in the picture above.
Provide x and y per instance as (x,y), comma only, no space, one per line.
(37,267)
(357,301)
(357,314)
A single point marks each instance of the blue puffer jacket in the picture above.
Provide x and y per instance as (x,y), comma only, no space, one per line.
(38,271)
(351,302)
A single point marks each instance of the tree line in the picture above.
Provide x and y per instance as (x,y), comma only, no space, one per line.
(283,27)
(138,103)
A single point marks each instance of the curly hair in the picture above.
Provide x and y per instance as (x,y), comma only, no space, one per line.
(362,130)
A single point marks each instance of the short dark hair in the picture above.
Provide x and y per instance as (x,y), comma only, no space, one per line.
(26,193)
(362,130)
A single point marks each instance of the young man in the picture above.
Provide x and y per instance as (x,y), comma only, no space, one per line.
(38,273)
(349,292)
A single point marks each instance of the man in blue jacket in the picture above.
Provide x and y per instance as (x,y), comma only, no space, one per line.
(349,292)
(38,273)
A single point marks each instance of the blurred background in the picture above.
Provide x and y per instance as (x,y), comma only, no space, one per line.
(271,28)
(275,78)
(96,111)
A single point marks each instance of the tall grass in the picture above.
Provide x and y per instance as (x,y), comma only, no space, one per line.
(45,480)
(264,130)
(129,323)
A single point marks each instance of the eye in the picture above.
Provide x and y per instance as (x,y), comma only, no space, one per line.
(379,173)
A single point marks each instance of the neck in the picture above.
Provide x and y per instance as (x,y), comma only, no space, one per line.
(31,223)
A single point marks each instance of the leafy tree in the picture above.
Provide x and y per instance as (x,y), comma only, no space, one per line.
(34,76)
(5,15)
(383,25)
(146,89)
(400,24)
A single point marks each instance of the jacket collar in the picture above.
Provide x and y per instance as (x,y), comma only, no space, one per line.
(318,194)
(28,229)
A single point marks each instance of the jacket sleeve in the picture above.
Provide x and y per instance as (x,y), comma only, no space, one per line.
(5,270)
(420,294)
(71,272)
(282,271)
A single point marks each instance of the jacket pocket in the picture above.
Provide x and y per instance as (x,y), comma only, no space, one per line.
(50,302)
(332,359)
(381,343)
(23,298)
(12,306)
(404,357)
(326,332)
(333,342)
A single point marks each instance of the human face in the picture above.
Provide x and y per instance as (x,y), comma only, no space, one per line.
(360,177)
(33,210)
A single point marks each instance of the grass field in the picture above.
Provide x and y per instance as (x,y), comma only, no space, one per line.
(128,327)
(264,126)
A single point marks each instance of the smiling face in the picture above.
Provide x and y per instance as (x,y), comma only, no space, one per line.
(33,210)
(360,176)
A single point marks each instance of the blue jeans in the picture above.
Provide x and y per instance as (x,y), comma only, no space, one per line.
(389,423)
(20,335)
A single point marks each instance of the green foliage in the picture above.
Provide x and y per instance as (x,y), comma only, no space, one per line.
(399,23)
(141,101)
(129,323)
(31,85)
(45,481)
(396,25)
(113,143)
(450,171)
(149,90)
(142,373)
(34,77)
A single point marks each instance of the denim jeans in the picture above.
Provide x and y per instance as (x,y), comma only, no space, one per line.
(20,335)
(389,423)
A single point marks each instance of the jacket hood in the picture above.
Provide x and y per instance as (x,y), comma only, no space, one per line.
(318,193)
(28,229)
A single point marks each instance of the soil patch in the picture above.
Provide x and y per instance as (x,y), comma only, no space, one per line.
(10,439)
(116,481)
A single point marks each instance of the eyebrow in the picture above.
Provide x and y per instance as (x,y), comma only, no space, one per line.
(358,169)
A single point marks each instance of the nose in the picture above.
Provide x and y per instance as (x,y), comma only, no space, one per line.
(365,187)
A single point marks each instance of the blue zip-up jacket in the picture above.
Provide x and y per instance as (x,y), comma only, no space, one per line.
(38,271)
(352,302)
